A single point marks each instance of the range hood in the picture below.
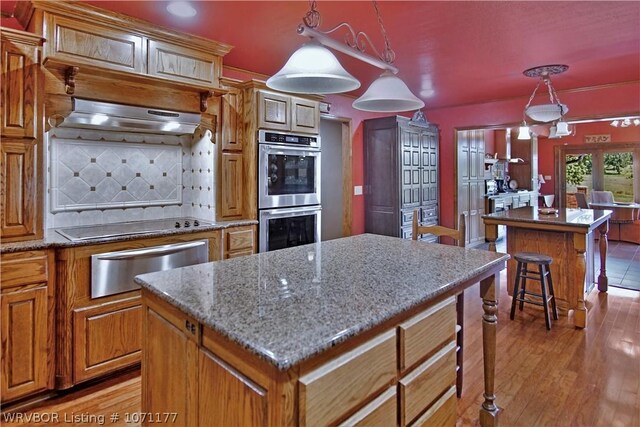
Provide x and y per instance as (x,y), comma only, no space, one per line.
(506,155)
(117,117)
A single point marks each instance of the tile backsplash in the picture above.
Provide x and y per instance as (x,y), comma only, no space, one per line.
(98,177)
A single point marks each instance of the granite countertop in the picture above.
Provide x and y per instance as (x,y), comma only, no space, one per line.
(579,218)
(54,240)
(286,306)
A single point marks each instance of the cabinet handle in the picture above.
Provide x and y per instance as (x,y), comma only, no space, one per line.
(190,327)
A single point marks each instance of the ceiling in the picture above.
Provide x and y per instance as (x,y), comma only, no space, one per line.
(448,52)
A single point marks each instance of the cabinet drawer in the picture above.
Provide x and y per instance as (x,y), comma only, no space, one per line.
(106,337)
(407,217)
(442,413)
(430,214)
(423,385)
(330,391)
(421,335)
(240,239)
(23,268)
(382,411)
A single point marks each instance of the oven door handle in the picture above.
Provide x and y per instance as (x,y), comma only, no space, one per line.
(284,150)
(161,250)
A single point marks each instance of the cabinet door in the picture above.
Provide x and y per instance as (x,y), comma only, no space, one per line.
(239,241)
(25,329)
(305,115)
(232,122)
(274,111)
(19,89)
(174,62)
(94,44)
(411,172)
(106,337)
(429,167)
(226,397)
(231,188)
(18,199)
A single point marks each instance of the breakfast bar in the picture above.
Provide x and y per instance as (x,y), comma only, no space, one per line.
(567,235)
(354,331)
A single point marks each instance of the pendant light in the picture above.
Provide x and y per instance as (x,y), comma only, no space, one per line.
(546,112)
(313,69)
(388,94)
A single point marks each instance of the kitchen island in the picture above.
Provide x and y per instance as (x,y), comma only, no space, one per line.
(359,330)
(568,237)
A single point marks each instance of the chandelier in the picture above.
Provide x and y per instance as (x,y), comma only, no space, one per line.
(550,112)
(313,68)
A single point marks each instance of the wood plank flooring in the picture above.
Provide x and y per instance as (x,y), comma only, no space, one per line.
(562,377)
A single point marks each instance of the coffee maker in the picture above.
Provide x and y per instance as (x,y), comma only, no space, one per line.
(501,184)
(499,175)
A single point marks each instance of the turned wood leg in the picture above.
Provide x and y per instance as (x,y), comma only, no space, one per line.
(603,280)
(488,292)
(491,234)
(580,311)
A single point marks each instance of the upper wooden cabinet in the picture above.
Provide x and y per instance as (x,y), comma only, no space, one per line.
(232,120)
(287,113)
(20,79)
(82,35)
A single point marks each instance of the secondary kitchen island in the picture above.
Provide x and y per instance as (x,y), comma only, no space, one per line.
(568,237)
(349,331)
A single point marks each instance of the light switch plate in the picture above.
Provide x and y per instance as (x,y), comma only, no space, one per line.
(357,190)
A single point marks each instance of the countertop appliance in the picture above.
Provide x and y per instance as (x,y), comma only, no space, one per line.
(106,231)
(490,187)
(288,189)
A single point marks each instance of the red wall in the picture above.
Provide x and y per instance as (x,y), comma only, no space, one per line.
(546,146)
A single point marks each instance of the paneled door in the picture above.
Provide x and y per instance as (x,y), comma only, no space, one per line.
(470,164)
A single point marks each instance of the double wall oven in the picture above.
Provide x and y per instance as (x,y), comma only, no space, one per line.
(288,189)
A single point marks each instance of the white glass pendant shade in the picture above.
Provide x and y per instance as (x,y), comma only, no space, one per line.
(562,128)
(388,94)
(523,133)
(546,112)
(313,69)
(553,132)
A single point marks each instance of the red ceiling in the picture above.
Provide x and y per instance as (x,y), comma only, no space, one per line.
(451,52)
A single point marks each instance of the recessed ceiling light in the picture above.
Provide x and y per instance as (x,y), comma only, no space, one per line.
(183,9)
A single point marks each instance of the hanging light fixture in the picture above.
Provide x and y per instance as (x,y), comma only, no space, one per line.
(546,112)
(307,72)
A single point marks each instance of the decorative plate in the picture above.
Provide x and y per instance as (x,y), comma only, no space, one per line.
(513,184)
(548,211)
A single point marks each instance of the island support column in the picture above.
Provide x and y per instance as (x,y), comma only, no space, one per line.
(580,310)
(488,292)
(603,280)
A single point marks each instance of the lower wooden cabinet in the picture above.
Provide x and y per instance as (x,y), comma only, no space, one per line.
(27,328)
(238,241)
(212,381)
(106,337)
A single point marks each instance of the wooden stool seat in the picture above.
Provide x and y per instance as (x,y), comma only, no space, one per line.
(532,258)
(542,275)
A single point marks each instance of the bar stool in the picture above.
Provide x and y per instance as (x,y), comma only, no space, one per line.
(523,272)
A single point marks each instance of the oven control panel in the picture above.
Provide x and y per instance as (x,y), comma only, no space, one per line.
(268,137)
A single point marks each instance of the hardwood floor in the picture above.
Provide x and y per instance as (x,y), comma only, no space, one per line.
(562,377)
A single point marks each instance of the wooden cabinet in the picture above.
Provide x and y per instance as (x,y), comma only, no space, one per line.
(232,120)
(231,185)
(98,336)
(27,328)
(400,174)
(106,337)
(238,241)
(174,62)
(471,191)
(287,113)
(357,383)
(21,160)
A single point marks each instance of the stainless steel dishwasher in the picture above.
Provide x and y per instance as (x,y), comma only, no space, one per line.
(113,272)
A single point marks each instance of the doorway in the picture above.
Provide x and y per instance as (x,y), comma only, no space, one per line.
(335,177)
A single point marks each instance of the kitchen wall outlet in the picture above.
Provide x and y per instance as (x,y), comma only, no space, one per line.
(547,177)
(357,190)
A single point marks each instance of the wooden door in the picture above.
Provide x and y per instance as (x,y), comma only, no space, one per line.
(231,185)
(19,89)
(274,111)
(305,115)
(24,342)
(429,168)
(232,122)
(18,188)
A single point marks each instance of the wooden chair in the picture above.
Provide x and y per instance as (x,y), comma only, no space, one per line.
(581,199)
(458,235)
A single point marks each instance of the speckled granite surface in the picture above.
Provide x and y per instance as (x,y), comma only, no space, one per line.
(54,240)
(580,218)
(288,305)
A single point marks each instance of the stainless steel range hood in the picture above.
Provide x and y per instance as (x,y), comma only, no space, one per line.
(107,116)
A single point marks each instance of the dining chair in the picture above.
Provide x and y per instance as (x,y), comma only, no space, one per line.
(601,196)
(458,235)
(581,199)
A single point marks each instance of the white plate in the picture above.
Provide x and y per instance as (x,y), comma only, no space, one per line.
(513,184)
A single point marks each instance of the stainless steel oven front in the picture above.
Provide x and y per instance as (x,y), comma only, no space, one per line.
(288,170)
(289,227)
